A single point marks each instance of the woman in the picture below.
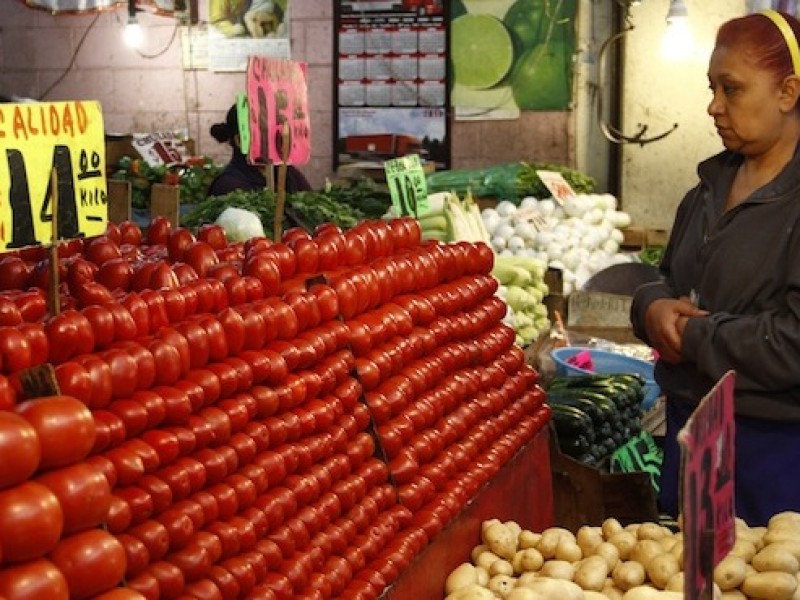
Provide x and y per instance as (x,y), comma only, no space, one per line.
(238,174)
(730,293)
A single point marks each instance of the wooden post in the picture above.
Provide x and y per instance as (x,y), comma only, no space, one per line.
(54,305)
(165,200)
(119,201)
(281,192)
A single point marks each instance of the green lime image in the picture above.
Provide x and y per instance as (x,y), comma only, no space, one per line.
(480,49)
(527,22)
(541,79)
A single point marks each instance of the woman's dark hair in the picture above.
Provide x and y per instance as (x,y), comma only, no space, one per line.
(763,42)
(225,132)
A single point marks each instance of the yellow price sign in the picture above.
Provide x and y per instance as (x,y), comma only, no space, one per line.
(36,138)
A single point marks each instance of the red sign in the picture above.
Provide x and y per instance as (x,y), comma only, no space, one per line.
(708,500)
(278,99)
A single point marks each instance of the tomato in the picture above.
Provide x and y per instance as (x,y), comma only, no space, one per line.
(20,449)
(31,580)
(129,233)
(158,231)
(101,249)
(14,273)
(64,426)
(171,581)
(15,350)
(284,257)
(154,536)
(83,493)
(177,242)
(31,521)
(201,257)
(120,593)
(146,585)
(266,270)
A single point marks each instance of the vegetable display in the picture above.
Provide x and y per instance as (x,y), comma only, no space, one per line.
(263,419)
(579,238)
(523,288)
(595,414)
(640,561)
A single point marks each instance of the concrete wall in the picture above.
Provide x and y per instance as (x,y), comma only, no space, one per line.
(139,93)
(659,93)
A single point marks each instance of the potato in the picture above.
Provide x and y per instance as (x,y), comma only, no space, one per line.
(477,551)
(558,569)
(661,568)
(645,592)
(744,548)
(550,539)
(787,517)
(668,542)
(730,572)
(526,578)
(529,559)
(501,585)
(645,550)
(650,531)
(501,567)
(556,589)
(791,546)
(592,595)
(528,539)
(675,583)
(522,593)
(610,527)
(472,592)
(775,557)
(568,550)
(515,527)
(460,577)
(628,574)
(625,542)
(677,550)
(500,539)
(588,538)
(770,585)
(485,559)
(591,573)
(609,552)
(611,591)
(732,595)
(483,575)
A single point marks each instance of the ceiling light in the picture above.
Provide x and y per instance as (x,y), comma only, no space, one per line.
(132,34)
(677,42)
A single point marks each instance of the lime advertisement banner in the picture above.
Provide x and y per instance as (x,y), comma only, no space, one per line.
(511,55)
(35,139)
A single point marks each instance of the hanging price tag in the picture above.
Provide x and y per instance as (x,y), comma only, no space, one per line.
(407,185)
(557,185)
(243,118)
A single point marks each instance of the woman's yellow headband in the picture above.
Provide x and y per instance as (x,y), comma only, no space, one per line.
(788,35)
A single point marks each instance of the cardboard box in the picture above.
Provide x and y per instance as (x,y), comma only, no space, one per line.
(636,238)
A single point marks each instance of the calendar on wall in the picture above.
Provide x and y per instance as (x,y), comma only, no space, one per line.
(391,91)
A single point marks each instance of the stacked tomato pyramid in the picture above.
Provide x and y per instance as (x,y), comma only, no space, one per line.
(291,419)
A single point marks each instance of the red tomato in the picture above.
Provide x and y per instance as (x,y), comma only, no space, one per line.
(130,233)
(14,273)
(65,427)
(154,536)
(92,562)
(177,242)
(31,521)
(120,593)
(213,234)
(101,249)
(31,580)
(158,231)
(171,581)
(20,450)
(201,257)
(83,493)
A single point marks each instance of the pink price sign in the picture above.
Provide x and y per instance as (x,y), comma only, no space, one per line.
(277,96)
(708,487)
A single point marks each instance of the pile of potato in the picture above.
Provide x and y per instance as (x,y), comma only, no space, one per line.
(642,561)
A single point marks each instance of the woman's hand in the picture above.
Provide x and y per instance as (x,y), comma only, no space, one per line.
(665,321)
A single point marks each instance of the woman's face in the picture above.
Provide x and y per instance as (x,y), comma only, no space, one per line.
(746,103)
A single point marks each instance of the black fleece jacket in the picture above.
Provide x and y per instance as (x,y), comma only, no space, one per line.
(742,266)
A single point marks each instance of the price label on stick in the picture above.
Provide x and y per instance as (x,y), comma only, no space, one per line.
(277,95)
(407,185)
(557,185)
(37,138)
(243,118)
(707,498)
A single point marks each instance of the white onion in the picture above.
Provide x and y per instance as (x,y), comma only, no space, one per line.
(506,208)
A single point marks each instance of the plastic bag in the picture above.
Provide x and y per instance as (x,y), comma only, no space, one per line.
(240,225)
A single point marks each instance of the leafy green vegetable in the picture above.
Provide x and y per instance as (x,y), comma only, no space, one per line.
(363,194)
(652,255)
(309,208)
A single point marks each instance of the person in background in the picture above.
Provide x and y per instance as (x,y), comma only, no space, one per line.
(729,296)
(238,174)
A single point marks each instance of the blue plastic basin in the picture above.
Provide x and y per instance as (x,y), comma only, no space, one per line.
(608,362)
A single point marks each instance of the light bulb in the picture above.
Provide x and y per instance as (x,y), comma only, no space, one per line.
(677,42)
(133,34)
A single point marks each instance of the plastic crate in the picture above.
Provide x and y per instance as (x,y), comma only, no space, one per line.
(608,362)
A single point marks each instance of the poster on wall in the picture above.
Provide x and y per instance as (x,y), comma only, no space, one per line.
(511,55)
(239,29)
(391,81)
(160,7)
